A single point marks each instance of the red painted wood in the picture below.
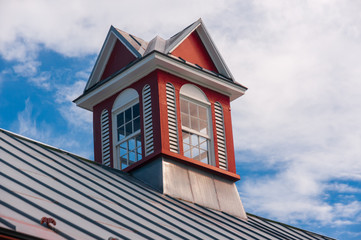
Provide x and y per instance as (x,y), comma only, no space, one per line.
(157,81)
(150,79)
(119,58)
(193,50)
(213,97)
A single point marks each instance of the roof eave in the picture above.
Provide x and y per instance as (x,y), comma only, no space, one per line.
(156,60)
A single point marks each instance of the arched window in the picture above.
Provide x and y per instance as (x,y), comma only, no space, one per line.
(126,129)
(196,124)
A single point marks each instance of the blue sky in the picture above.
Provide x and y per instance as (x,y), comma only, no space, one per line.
(297,129)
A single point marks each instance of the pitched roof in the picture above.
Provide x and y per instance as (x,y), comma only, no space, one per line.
(141,48)
(90,201)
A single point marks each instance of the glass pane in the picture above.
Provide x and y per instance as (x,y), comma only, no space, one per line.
(203,156)
(195,123)
(136,124)
(194,140)
(136,110)
(203,127)
(193,109)
(186,137)
(128,115)
(124,161)
(186,147)
(121,133)
(185,120)
(131,145)
(187,154)
(139,150)
(132,158)
(120,119)
(203,143)
(123,149)
(139,157)
(128,129)
(184,106)
(139,141)
(202,113)
(195,153)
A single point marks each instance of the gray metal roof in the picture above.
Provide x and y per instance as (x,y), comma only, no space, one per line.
(90,201)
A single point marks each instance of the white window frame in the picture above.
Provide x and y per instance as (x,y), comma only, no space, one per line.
(132,99)
(193,94)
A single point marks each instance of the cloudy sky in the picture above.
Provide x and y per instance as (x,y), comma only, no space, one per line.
(297,130)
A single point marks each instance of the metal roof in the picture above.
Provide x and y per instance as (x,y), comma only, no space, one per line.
(90,201)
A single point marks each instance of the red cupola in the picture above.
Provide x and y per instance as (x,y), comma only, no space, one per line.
(161,112)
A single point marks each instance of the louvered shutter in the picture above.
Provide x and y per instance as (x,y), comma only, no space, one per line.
(221,140)
(104,121)
(172,118)
(148,123)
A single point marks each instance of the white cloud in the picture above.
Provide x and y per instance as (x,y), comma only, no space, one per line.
(74,115)
(27,69)
(42,80)
(302,110)
(300,60)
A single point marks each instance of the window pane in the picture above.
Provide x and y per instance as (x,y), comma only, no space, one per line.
(139,150)
(139,157)
(132,158)
(203,157)
(195,124)
(202,113)
(136,124)
(136,110)
(184,106)
(139,141)
(195,153)
(187,154)
(123,149)
(128,129)
(194,140)
(121,134)
(203,143)
(185,120)
(186,137)
(128,115)
(186,147)
(131,145)
(124,161)
(203,127)
(120,119)
(193,109)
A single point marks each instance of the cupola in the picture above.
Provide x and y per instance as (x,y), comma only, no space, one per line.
(161,112)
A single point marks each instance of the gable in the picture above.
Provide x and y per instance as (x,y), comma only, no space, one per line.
(119,58)
(193,50)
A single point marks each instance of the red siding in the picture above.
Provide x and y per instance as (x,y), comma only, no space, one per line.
(157,81)
(119,58)
(193,50)
(150,79)
(212,97)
